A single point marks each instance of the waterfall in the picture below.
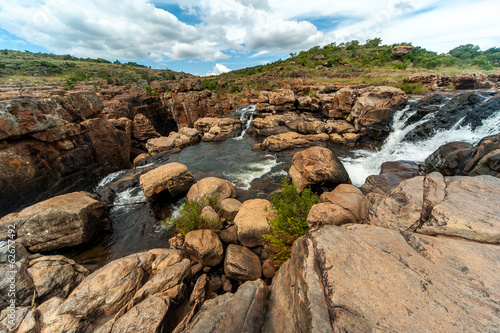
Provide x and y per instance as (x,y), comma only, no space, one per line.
(246,114)
(362,163)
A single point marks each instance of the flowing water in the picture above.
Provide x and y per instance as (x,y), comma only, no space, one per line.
(255,175)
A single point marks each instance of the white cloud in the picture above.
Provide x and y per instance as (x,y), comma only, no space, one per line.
(219,69)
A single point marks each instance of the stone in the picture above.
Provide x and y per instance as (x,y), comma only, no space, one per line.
(143,129)
(14,276)
(218,128)
(350,198)
(317,168)
(11,319)
(229,208)
(209,214)
(241,264)
(484,158)
(268,269)
(161,144)
(426,280)
(472,81)
(280,100)
(446,158)
(55,276)
(243,311)
(391,174)
(252,221)
(205,246)
(229,235)
(170,180)
(147,316)
(292,140)
(401,50)
(62,221)
(339,126)
(211,187)
(328,214)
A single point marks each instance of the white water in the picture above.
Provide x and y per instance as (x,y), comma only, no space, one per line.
(246,116)
(244,174)
(365,162)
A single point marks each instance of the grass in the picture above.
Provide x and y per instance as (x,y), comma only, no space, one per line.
(289,221)
(190,217)
(412,88)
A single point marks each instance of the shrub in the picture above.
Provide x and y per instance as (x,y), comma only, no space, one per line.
(412,88)
(190,218)
(289,221)
(210,84)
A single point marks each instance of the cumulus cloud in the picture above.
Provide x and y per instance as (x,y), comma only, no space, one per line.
(218,69)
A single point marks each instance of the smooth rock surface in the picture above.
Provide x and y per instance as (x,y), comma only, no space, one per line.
(171,180)
(252,221)
(241,264)
(205,246)
(209,187)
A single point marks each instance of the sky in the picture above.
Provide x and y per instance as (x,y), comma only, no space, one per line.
(209,37)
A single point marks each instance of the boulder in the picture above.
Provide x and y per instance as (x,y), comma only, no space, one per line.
(431,80)
(147,316)
(401,50)
(317,168)
(243,311)
(362,278)
(209,214)
(229,208)
(328,214)
(211,187)
(446,158)
(14,276)
(472,81)
(170,180)
(241,264)
(350,199)
(218,129)
(252,221)
(483,159)
(205,246)
(452,206)
(391,174)
(229,235)
(161,144)
(143,129)
(62,221)
(292,140)
(270,101)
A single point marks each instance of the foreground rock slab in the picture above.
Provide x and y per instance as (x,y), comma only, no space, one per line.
(387,282)
(62,221)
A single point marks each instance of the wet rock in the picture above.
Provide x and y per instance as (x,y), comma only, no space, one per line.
(142,128)
(391,174)
(171,181)
(229,208)
(484,158)
(317,168)
(55,276)
(205,246)
(292,140)
(241,264)
(446,158)
(242,312)
(211,187)
(66,220)
(252,221)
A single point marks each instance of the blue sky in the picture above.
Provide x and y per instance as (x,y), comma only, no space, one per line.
(209,37)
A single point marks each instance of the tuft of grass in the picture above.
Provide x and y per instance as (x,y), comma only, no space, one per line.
(412,88)
(289,221)
(190,216)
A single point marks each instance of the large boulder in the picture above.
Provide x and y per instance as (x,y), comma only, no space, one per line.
(317,168)
(241,264)
(483,159)
(14,277)
(452,206)
(446,158)
(217,129)
(168,181)
(472,81)
(252,221)
(205,246)
(391,174)
(361,278)
(292,140)
(211,187)
(272,101)
(243,311)
(143,129)
(62,221)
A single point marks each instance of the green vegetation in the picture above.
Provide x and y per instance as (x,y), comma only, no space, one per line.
(190,217)
(28,68)
(412,88)
(211,84)
(289,222)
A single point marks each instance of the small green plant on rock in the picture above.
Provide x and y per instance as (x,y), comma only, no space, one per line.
(289,221)
(190,218)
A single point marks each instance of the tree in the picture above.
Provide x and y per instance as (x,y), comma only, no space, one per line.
(467,51)
(375,42)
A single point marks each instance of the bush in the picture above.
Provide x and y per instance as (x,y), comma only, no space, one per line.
(412,88)
(210,84)
(290,220)
(190,218)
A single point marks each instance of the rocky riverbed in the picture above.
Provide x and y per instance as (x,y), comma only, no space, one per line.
(415,248)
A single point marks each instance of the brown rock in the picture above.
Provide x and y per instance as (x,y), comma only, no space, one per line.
(252,221)
(66,220)
(14,276)
(472,81)
(143,129)
(229,208)
(171,180)
(483,159)
(292,140)
(241,264)
(391,174)
(339,126)
(219,128)
(268,269)
(229,235)
(317,167)
(446,158)
(210,187)
(401,50)
(350,198)
(205,246)
(328,214)
(147,316)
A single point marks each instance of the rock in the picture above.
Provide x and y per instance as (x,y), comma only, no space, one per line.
(328,214)
(391,174)
(483,159)
(427,281)
(269,125)
(446,158)
(241,264)
(292,140)
(11,318)
(66,220)
(401,50)
(147,316)
(226,284)
(270,101)
(55,276)
(218,128)
(345,138)
(161,144)
(373,109)
(431,80)
(268,269)
(14,277)
(143,129)
(170,180)
(211,187)
(242,312)
(205,246)
(472,81)
(317,168)
(229,208)
(229,235)
(339,126)
(209,214)
(453,206)
(252,221)
(349,198)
